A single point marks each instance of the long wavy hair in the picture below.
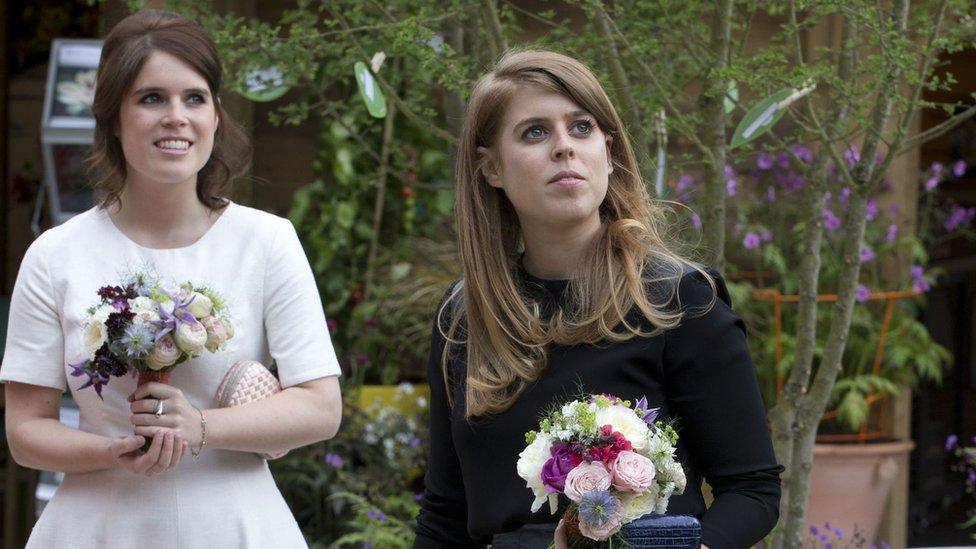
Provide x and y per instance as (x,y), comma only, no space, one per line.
(127,47)
(501,328)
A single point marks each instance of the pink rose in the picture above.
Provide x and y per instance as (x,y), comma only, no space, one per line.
(632,472)
(600,532)
(585,477)
(216,333)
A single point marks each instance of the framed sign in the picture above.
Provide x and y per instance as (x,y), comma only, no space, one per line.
(70,86)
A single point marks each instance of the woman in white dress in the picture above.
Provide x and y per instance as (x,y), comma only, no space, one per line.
(164,152)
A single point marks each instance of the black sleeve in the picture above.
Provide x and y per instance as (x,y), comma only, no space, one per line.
(713,393)
(442,522)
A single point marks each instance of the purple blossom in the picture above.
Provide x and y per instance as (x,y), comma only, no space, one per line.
(831,221)
(931,183)
(862,293)
(957,217)
(334,460)
(770,194)
(645,413)
(959,168)
(598,506)
(852,156)
(894,210)
(361,360)
(867,254)
(845,195)
(414,442)
(696,221)
(376,514)
(764,161)
(331,325)
(138,340)
(871,210)
(418,496)
(554,471)
(685,181)
(936,168)
(951,442)
(892,233)
(920,285)
(802,152)
(838,532)
(730,180)
(766,236)
(916,271)
(887,185)
(751,241)
(783,160)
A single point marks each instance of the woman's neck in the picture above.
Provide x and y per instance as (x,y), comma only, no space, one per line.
(554,253)
(162,216)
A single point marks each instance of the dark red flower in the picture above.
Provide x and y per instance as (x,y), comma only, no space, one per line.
(609,445)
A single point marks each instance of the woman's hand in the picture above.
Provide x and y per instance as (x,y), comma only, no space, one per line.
(559,539)
(164,453)
(177,415)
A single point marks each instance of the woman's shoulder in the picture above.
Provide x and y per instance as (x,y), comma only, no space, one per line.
(73,233)
(254,219)
(687,286)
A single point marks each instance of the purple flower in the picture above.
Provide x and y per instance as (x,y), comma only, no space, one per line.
(845,194)
(951,442)
(138,340)
(730,183)
(376,514)
(648,415)
(831,221)
(867,254)
(838,532)
(887,185)
(696,221)
(916,271)
(751,241)
(851,156)
(414,442)
(770,194)
(361,360)
(598,506)
(764,161)
(558,466)
(885,545)
(892,233)
(957,217)
(331,325)
(936,168)
(766,236)
(931,183)
(959,168)
(802,152)
(813,530)
(334,460)
(418,496)
(783,160)
(894,210)
(685,181)
(862,293)
(921,286)
(871,210)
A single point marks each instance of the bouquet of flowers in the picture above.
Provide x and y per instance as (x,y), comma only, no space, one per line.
(149,327)
(613,461)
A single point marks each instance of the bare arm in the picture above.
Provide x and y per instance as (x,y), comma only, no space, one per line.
(38,439)
(299,415)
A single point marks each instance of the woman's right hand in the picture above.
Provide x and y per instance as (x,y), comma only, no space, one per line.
(164,453)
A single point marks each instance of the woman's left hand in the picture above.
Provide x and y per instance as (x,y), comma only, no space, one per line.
(177,414)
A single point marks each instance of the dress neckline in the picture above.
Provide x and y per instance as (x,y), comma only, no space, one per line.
(199,241)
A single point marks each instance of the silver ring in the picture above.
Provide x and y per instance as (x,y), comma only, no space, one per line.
(159,408)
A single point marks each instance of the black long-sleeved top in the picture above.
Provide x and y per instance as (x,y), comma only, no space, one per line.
(698,373)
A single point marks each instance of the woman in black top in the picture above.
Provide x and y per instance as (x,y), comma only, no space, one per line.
(567,290)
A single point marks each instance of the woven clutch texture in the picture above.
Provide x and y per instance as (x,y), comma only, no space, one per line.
(247,381)
(662,532)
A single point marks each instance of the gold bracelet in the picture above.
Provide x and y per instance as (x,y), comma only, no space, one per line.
(203,435)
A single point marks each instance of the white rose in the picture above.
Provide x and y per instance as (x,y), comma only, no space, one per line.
(145,317)
(625,421)
(216,336)
(191,337)
(164,353)
(95,335)
(530,464)
(201,306)
(228,327)
(638,505)
(672,472)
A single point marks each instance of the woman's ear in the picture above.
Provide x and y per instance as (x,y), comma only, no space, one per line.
(489,166)
(610,153)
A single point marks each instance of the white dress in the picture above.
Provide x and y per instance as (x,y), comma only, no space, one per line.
(225,499)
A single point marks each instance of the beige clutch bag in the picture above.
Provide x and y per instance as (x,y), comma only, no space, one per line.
(247,381)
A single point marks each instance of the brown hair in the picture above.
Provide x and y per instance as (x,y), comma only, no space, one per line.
(126,49)
(504,335)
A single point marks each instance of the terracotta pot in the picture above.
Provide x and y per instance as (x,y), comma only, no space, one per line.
(146,376)
(850,483)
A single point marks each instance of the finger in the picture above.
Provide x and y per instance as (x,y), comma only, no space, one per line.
(155,390)
(128,444)
(560,536)
(149,432)
(151,420)
(152,455)
(165,455)
(179,454)
(146,405)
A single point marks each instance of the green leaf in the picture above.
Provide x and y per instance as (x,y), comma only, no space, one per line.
(370,91)
(345,215)
(731,97)
(853,410)
(760,118)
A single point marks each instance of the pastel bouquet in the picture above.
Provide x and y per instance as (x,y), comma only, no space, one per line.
(148,326)
(614,463)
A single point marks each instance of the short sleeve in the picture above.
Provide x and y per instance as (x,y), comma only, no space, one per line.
(34,352)
(298,338)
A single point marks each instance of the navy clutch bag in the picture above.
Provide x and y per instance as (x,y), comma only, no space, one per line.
(663,532)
